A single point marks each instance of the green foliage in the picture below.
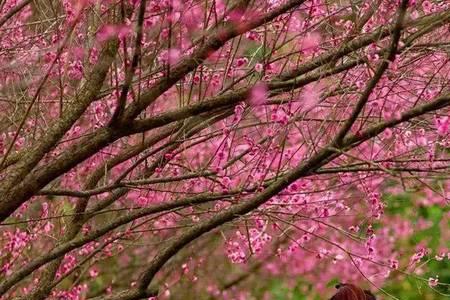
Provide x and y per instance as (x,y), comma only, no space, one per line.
(302,291)
(408,287)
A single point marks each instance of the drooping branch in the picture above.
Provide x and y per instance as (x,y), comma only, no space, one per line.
(14,197)
(274,105)
(64,248)
(322,158)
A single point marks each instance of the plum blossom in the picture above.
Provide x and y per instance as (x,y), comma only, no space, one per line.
(442,124)
(311,41)
(258,94)
(259,67)
(433,281)
(109,31)
(310,96)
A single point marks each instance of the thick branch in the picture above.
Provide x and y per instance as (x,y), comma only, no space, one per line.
(320,159)
(62,249)
(10,189)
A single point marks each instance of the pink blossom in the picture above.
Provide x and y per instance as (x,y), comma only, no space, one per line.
(252,35)
(442,124)
(235,15)
(191,16)
(110,31)
(427,6)
(419,255)
(311,41)
(123,31)
(258,94)
(93,272)
(238,112)
(432,282)
(259,67)
(310,96)
(242,61)
(393,263)
(388,133)
(106,32)
(174,56)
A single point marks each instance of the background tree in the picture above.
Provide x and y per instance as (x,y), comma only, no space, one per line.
(202,148)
